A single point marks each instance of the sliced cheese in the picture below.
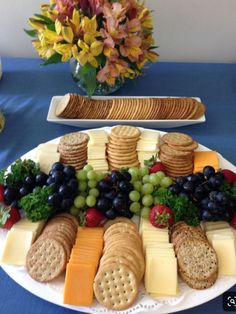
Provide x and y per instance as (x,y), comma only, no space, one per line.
(17,245)
(226,254)
(161,275)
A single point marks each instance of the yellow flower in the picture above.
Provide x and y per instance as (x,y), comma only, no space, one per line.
(76,21)
(152,56)
(35,25)
(44,52)
(89,27)
(58,26)
(49,37)
(146,19)
(67,34)
(65,50)
(88,53)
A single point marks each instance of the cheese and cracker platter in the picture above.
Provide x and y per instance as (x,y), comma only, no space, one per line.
(121,219)
(151,111)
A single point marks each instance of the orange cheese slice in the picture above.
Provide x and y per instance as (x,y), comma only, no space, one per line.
(78,289)
(205,158)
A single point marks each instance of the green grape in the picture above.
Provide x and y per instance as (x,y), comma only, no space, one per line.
(146,178)
(160,174)
(134,171)
(81,175)
(147,200)
(79,201)
(166,182)
(145,211)
(134,196)
(92,183)
(87,168)
(100,176)
(91,201)
(147,189)
(156,200)
(143,171)
(155,180)
(92,175)
(94,192)
(74,211)
(82,186)
(137,185)
(135,208)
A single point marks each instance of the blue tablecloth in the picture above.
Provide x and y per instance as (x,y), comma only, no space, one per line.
(25,93)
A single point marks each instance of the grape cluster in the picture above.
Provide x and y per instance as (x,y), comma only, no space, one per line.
(114,192)
(204,189)
(144,185)
(87,180)
(62,180)
(13,195)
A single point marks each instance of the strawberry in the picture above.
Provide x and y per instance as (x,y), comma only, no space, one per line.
(8,216)
(161,216)
(1,193)
(91,218)
(229,175)
(154,166)
(233,221)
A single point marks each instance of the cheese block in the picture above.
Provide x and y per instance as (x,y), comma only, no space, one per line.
(46,159)
(203,158)
(150,135)
(226,254)
(161,275)
(26,224)
(17,245)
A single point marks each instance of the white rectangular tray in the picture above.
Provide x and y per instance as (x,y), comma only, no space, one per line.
(89,123)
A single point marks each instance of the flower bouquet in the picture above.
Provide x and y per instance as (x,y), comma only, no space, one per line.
(108,40)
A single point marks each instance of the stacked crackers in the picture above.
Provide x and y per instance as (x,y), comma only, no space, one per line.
(121,147)
(197,260)
(176,154)
(73,149)
(121,267)
(48,256)
(145,108)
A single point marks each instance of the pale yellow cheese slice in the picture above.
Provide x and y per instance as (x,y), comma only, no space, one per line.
(17,245)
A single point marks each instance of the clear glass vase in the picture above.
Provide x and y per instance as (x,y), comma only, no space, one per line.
(102,89)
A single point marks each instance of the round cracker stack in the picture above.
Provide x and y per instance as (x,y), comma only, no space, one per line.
(74,106)
(48,256)
(176,154)
(121,267)
(121,147)
(73,149)
(197,260)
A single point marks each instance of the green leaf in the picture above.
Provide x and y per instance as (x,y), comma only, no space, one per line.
(32,33)
(89,73)
(39,21)
(44,18)
(51,27)
(55,58)
(101,59)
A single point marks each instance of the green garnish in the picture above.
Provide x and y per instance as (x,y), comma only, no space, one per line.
(19,170)
(36,205)
(230,190)
(183,209)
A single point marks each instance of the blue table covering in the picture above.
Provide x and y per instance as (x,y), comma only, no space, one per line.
(25,93)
